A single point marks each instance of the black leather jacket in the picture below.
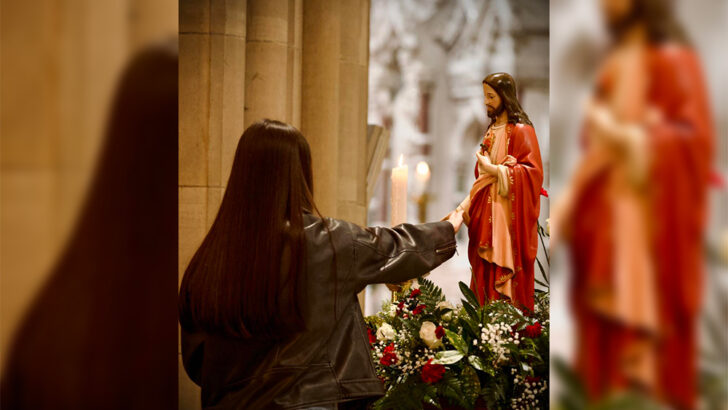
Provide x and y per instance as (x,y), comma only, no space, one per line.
(329,363)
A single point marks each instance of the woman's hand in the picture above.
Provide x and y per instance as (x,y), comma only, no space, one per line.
(456,219)
(485,166)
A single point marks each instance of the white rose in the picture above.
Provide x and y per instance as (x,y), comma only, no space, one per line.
(427,334)
(446,305)
(385,332)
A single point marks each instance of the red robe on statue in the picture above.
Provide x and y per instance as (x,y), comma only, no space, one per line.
(636,306)
(503,216)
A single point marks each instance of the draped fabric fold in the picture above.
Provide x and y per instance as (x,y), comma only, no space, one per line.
(503,216)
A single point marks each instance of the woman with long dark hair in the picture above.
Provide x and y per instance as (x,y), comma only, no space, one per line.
(268,306)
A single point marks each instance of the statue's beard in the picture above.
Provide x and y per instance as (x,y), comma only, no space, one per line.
(494,113)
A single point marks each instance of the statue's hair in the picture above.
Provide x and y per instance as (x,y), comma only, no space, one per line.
(505,86)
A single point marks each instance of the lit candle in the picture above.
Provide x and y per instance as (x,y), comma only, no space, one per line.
(399,193)
(423,176)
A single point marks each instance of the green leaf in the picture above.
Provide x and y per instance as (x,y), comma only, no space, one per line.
(541,284)
(447,357)
(543,273)
(451,388)
(469,327)
(573,395)
(471,311)
(457,341)
(480,364)
(534,354)
(470,384)
(469,295)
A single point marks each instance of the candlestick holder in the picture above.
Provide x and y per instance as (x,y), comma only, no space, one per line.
(422,201)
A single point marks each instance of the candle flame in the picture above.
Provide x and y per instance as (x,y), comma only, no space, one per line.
(401,159)
(422,168)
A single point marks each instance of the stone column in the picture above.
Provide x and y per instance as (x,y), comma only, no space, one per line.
(320,97)
(273,61)
(353,90)
(211,87)
(334,104)
(211,100)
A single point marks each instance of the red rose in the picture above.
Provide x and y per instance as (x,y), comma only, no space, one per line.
(533,330)
(532,379)
(415,293)
(419,309)
(388,359)
(372,336)
(432,373)
(544,192)
(439,332)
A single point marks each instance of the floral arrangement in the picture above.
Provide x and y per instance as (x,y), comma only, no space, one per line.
(431,354)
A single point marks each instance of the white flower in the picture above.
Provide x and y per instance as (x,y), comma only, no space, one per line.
(391,310)
(548,226)
(385,332)
(427,334)
(446,305)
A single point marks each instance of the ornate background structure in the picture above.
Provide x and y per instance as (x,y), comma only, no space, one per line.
(427,60)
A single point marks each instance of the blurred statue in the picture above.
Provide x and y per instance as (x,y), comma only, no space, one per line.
(503,206)
(635,209)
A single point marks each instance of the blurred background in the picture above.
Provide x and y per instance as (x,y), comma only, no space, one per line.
(88,204)
(582,46)
(427,60)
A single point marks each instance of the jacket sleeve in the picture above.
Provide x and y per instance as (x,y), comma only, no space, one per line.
(393,255)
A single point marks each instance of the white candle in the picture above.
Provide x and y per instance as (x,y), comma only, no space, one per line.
(399,193)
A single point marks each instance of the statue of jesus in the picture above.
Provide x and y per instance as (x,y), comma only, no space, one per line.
(502,208)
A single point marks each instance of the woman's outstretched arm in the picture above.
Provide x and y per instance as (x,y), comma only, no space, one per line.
(394,255)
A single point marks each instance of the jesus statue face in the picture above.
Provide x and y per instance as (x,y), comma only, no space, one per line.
(493,103)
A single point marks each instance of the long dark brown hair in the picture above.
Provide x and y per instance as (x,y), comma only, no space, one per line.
(239,283)
(505,86)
